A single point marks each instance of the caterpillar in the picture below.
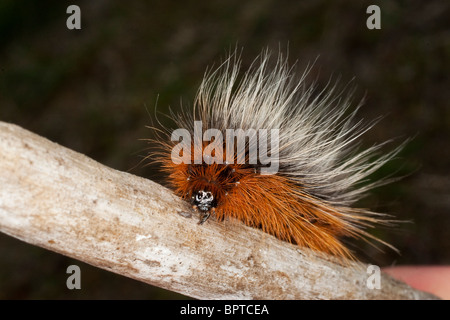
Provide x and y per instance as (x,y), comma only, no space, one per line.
(300,187)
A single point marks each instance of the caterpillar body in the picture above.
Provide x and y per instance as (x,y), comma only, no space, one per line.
(320,173)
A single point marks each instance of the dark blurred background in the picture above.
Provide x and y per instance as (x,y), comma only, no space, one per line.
(90,90)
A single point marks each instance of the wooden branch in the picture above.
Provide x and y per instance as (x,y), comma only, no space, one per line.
(63,201)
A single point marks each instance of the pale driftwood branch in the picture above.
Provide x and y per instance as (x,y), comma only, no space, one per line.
(61,200)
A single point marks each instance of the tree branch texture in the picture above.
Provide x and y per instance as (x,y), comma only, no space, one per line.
(61,200)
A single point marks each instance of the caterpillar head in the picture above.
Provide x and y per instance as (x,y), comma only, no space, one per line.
(203,200)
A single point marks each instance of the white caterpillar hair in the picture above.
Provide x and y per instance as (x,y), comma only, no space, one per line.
(318,152)
(318,133)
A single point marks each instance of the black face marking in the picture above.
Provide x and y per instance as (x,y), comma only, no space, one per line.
(203,200)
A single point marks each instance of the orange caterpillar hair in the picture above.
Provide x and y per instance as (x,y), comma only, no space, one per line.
(308,200)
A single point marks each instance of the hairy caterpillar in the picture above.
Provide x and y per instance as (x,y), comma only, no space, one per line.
(319,171)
